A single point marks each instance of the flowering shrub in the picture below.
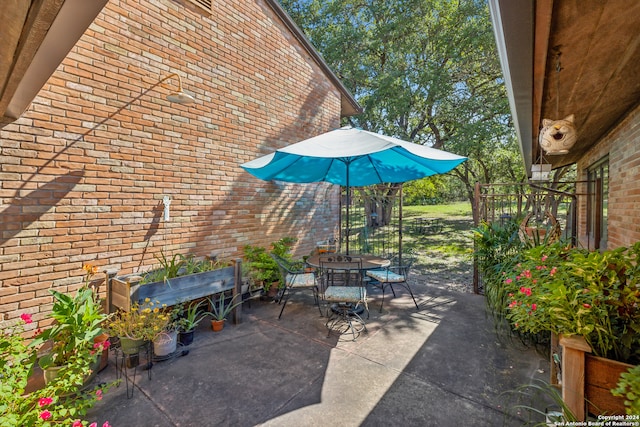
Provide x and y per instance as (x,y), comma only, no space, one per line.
(576,292)
(59,402)
(145,321)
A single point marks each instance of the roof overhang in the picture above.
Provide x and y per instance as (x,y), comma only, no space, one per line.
(36,36)
(596,45)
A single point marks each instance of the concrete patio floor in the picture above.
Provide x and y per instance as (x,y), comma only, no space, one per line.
(443,365)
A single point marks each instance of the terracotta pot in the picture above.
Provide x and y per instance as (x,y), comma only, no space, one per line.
(104,357)
(217,325)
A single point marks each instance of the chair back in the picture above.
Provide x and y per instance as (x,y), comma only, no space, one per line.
(342,268)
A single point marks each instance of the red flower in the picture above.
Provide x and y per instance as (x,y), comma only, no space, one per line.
(585,305)
(26,318)
(77,423)
(534,307)
(44,401)
(45,415)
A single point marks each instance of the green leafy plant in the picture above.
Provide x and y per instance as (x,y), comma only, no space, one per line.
(78,320)
(180,265)
(220,308)
(629,387)
(572,291)
(262,268)
(60,401)
(143,322)
(190,317)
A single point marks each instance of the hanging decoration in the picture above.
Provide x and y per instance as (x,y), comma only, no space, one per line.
(558,136)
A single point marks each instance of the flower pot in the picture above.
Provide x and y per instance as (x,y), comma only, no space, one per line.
(217,325)
(165,344)
(130,346)
(51,373)
(104,356)
(186,338)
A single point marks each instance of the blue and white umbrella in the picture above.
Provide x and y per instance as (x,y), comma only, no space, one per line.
(352,157)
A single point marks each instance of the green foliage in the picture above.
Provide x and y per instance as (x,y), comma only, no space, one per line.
(261,267)
(180,265)
(629,387)
(190,317)
(220,308)
(61,401)
(573,291)
(143,321)
(525,403)
(78,320)
(426,71)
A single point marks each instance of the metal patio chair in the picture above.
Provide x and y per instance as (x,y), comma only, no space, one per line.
(395,274)
(295,278)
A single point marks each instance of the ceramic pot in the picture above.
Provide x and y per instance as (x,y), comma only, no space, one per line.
(130,346)
(165,344)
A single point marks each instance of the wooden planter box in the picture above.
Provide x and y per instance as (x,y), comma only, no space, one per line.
(600,376)
(124,290)
(587,380)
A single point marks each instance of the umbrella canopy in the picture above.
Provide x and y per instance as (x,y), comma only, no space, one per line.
(352,158)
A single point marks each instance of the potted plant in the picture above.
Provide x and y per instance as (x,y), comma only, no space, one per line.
(262,268)
(188,319)
(78,321)
(179,278)
(220,309)
(140,325)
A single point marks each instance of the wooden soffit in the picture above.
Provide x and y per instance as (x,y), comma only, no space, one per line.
(36,36)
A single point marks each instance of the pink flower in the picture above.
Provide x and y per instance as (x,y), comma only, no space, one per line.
(527,274)
(26,318)
(517,277)
(534,307)
(77,423)
(45,415)
(44,401)
(585,305)
(513,304)
(93,425)
(105,344)
(553,271)
(99,394)
(106,424)
(544,258)
(508,281)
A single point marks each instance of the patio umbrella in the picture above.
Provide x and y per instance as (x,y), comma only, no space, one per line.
(352,157)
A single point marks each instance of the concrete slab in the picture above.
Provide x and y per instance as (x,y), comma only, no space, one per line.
(443,365)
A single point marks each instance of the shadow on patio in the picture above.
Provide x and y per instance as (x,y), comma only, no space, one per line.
(440,366)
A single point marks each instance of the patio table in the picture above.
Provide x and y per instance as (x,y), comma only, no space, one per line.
(369,262)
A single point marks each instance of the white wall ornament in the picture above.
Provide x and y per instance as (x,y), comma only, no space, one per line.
(558,136)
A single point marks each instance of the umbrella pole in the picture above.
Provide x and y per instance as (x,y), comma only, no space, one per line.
(400,228)
(348,203)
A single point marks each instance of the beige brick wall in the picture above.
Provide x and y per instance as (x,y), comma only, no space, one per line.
(84,171)
(622,145)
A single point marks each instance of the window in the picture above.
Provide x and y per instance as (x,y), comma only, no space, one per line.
(597,204)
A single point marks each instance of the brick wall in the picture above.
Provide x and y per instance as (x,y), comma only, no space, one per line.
(622,145)
(83,173)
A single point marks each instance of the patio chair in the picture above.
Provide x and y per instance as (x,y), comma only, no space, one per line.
(395,274)
(295,278)
(344,303)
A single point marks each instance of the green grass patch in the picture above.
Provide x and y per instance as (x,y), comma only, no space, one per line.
(451,209)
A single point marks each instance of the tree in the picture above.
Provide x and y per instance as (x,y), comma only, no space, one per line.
(425,71)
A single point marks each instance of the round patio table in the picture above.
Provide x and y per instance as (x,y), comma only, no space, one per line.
(369,262)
